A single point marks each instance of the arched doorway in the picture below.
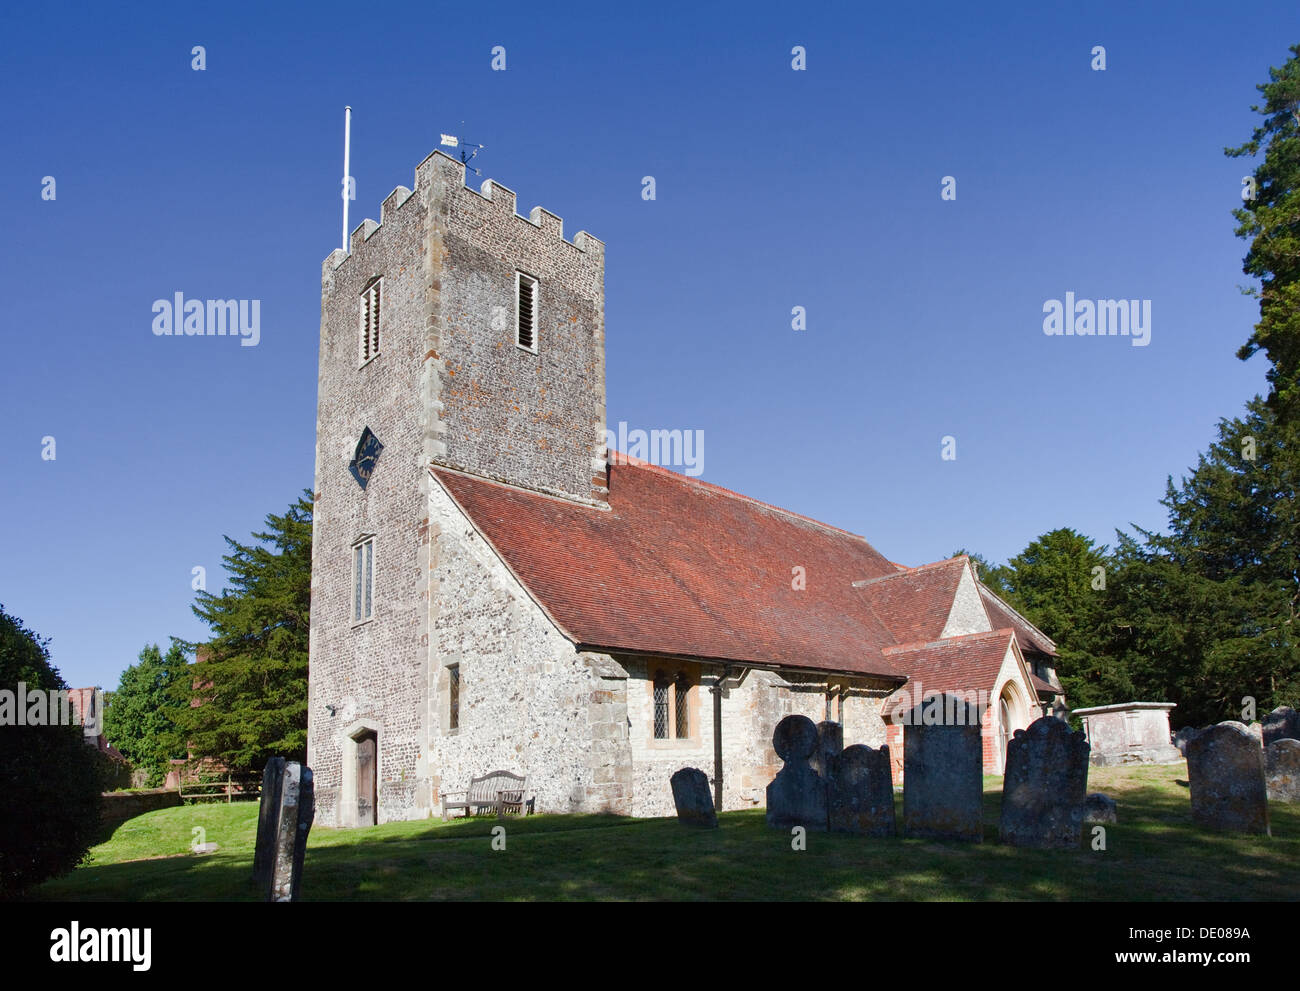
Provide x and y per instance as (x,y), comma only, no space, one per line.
(1013,714)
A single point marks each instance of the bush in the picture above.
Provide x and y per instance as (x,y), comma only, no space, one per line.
(49,778)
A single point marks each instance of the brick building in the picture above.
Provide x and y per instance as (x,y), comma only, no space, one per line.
(493,589)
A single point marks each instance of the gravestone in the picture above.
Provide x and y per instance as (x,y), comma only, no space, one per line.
(797,795)
(1282,770)
(1099,807)
(693,799)
(943,768)
(1184,736)
(1283,723)
(1225,769)
(268,816)
(297,810)
(1257,731)
(830,741)
(1044,785)
(861,798)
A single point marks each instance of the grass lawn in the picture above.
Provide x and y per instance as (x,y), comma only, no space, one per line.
(1154,853)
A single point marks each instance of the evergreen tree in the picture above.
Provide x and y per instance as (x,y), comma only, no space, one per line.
(140,718)
(994,576)
(1271,221)
(1061,583)
(1206,615)
(249,682)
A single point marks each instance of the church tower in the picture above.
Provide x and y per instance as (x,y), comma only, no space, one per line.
(455,333)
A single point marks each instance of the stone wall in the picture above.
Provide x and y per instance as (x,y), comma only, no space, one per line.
(448,386)
(535,420)
(119,806)
(371,673)
(529,702)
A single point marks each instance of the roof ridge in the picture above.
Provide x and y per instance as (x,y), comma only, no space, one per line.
(911,571)
(628,461)
(1014,612)
(948,641)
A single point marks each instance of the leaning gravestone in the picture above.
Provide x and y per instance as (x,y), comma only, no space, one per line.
(1099,807)
(797,795)
(830,741)
(1225,769)
(861,798)
(1282,770)
(1283,723)
(692,797)
(1044,786)
(297,810)
(268,816)
(943,768)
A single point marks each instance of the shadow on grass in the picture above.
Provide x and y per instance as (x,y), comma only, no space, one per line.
(1153,853)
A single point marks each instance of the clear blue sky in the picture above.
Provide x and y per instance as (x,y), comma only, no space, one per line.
(775,189)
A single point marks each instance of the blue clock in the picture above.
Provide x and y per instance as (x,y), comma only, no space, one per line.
(363,461)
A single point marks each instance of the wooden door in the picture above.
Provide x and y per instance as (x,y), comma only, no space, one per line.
(367,778)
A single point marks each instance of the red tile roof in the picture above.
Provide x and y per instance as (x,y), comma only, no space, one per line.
(914,604)
(1028,636)
(968,663)
(680,567)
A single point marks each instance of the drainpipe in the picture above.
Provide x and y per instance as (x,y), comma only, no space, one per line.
(717,738)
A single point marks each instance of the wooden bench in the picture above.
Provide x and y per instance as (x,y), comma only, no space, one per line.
(500,792)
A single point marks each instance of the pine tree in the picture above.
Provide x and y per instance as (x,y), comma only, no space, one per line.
(1271,220)
(1060,582)
(1206,615)
(249,682)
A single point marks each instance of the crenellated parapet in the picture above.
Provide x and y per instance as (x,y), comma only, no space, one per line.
(486,215)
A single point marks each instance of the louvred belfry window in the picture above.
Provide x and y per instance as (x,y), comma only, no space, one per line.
(526,311)
(370,305)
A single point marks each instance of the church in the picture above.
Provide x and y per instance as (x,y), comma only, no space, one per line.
(495,589)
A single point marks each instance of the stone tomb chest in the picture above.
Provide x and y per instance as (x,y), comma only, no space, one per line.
(1129,733)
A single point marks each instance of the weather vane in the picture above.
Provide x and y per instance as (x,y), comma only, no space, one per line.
(466,156)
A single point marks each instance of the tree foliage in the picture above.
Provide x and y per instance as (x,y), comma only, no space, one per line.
(140,716)
(245,697)
(1203,615)
(1207,612)
(50,780)
(1271,222)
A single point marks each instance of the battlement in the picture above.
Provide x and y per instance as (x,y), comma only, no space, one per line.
(442,178)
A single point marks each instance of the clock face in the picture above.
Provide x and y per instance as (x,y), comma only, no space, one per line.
(363,461)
